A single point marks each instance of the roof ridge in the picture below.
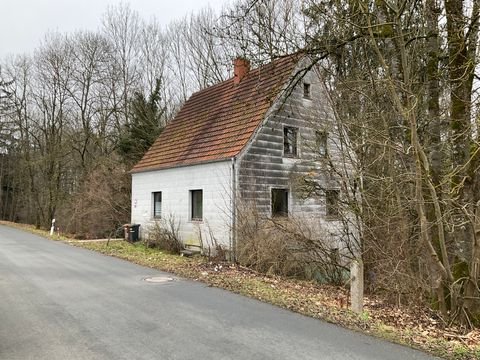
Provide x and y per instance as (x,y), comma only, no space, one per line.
(259,67)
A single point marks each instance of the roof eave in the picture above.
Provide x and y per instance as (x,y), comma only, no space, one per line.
(133,171)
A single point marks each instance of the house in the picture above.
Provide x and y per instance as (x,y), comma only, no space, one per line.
(247,139)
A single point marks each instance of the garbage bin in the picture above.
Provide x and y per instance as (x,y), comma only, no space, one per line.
(133,232)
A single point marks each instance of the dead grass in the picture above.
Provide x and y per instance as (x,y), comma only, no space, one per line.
(32,229)
(413,326)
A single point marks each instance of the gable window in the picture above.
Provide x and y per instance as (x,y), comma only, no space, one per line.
(157,204)
(306,90)
(196,203)
(279,202)
(290,141)
(332,198)
(321,142)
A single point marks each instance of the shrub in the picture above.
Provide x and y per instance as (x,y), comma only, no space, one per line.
(210,246)
(285,246)
(164,234)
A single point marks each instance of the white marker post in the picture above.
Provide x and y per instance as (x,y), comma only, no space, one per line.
(52,229)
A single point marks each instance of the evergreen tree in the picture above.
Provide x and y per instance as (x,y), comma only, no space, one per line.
(146,124)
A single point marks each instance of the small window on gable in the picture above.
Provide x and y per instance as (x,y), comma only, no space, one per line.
(157,204)
(321,142)
(196,203)
(279,202)
(290,141)
(306,90)
(332,198)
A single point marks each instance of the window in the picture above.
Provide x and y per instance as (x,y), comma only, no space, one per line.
(279,202)
(332,202)
(335,256)
(306,90)
(157,204)
(321,140)
(290,141)
(197,204)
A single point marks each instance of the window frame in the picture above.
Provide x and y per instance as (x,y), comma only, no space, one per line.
(286,198)
(154,198)
(193,215)
(321,142)
(294,153)
(307,90)
(332,208)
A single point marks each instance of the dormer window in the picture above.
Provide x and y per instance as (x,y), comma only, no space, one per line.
(306,90)
(290,141)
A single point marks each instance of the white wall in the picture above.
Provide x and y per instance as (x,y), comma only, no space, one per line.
(175,184)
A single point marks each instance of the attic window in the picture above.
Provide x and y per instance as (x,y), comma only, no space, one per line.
(306,90)
(279,202)
(290,141)
(321,142)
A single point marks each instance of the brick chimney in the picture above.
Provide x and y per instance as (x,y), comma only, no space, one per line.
(241,67)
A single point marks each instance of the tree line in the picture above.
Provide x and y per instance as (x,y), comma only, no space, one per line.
(404,78)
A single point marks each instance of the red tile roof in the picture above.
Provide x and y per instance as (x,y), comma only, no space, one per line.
(217,122)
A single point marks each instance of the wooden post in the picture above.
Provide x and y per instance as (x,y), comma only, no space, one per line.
(356,286)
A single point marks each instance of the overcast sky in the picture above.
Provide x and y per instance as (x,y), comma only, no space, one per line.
(24,23)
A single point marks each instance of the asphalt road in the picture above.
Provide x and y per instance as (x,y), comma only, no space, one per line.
(62,302)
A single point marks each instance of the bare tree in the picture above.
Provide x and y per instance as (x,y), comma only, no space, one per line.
(122,28)
(377,61)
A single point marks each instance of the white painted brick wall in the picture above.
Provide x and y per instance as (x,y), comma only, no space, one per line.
(175,184)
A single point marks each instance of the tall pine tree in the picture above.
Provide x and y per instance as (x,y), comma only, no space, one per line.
(146,123)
